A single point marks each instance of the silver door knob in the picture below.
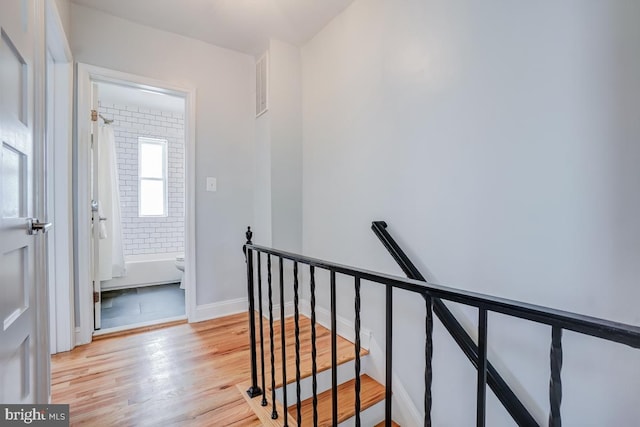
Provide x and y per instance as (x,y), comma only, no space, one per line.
(34,225)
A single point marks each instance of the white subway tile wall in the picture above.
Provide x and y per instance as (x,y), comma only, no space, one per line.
(148,235)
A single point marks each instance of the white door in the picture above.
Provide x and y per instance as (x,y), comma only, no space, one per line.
(22,354)
(96,213)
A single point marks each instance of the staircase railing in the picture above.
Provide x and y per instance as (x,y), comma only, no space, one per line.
(500,388)
(558,320)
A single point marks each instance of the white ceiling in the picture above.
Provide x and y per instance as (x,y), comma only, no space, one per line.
(242,25)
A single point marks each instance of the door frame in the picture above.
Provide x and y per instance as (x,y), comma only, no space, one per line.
(59,115)
(86,75)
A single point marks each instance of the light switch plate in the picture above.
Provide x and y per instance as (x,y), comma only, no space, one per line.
(212,184)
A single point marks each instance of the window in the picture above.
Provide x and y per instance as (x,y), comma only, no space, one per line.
(152,176)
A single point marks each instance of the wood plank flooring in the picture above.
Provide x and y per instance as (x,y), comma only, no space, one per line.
(181,375)
(184,375)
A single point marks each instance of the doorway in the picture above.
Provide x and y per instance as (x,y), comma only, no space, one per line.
(135,203)
(141,194)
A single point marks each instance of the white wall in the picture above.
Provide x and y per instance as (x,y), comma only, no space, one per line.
(285,112)
(499,141)
(278,185)
(262,182)
(224,81)
(278,161)
(64,10)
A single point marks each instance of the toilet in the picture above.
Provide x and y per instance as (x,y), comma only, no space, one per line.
(180,266)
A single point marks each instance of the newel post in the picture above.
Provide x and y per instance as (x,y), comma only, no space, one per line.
(254,390)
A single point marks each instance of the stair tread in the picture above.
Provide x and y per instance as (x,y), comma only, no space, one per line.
(371,392)
(393,424)
(345,349)
(264,412)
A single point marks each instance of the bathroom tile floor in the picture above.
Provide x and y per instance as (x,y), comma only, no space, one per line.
(137,305)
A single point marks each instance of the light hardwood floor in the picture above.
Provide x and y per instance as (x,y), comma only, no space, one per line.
(180,375)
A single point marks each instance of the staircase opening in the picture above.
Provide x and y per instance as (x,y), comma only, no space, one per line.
(281,351)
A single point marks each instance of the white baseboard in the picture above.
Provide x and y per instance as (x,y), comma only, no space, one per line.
(219,309)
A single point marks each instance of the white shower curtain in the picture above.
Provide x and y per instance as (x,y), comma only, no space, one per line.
(111,248)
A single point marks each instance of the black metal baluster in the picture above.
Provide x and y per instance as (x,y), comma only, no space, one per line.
(357,362)
(555,383)
(254,390)
(428,357)
(482,368)
(264,390)
(389,360)
(274,412)
(314,367)
(297,333)
(283,344)
(334,352)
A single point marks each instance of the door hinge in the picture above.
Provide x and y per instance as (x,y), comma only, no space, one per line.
(94,115)
(96,297)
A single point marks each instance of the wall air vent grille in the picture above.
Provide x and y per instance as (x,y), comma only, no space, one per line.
(262,85)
